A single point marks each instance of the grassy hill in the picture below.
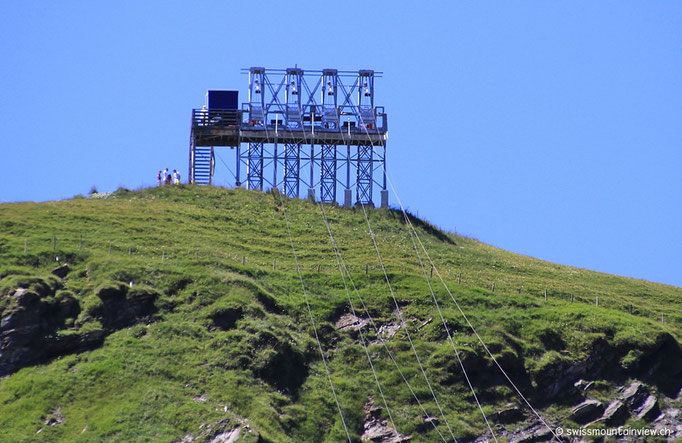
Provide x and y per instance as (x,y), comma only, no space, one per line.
(179,314)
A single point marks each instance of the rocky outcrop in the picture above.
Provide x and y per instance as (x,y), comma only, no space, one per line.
(649,410)
(377,429)
(28,326)
(33,327)
(587,411)
(510,414)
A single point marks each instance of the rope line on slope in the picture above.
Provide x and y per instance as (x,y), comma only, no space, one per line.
(471,326)
(452,343)
(345,272)
(395,301)
(400,317)
(312,319)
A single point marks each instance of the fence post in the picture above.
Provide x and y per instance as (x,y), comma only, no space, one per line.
(54,242)
(366,268)
(163,256)
(318,268)
(80,242)
(518,290)
(493,287)
(545,294)
(431,271)
(596,300)
(130,252)
(274,264)
(110,248)
(459,279)
(571,297)
(243,259)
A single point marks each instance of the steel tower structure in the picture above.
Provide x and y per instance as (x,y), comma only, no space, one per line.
(312,129)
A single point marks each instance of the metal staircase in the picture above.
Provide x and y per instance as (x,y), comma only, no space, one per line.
(202,162)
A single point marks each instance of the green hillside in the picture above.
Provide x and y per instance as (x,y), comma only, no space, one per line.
(180,315)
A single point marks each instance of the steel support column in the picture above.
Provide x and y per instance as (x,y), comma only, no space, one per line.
(254,171)
(292,163)
(365,168)
(328,173)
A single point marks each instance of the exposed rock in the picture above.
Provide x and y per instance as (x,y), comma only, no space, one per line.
(55,417)
(27,328)
(510,414)
(583,385)
(200,399)
(671,421)
(227,437)
(350,321)
(61,271)
(377,429)
(587,411)
(634,394)
(616,413)
(649,410)
(535,433)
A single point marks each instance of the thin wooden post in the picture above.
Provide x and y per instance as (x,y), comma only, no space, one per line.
(493,287)
(80,241)
(431,271)
(662,319)
(518,290)
(366,268)
(596,300)
(109,248)
(571,297)
(163,256)
(459,279)
(274,264)
(318,268)
(243,259)
(130,252)
(54,242)
(545,294)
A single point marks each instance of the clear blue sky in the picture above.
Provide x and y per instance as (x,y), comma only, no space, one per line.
(546,128)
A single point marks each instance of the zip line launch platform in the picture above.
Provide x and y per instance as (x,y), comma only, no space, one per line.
(298,129)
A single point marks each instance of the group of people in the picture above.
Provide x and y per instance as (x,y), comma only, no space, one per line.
(167,179)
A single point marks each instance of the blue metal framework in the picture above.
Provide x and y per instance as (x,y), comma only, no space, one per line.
(331,109)
(328,173)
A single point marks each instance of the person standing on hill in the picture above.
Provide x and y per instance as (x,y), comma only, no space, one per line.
(168,180)
(165,175)
(176,175)
(158,177)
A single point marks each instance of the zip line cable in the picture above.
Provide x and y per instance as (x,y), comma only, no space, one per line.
(400,316)
(344,269)
(305,138)
(312,320)
(398,310)
(471,326)
(449,292)
(452,343)
(350,303)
